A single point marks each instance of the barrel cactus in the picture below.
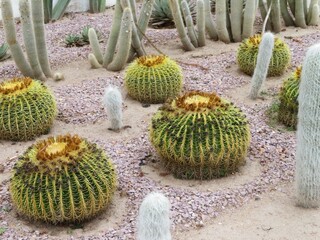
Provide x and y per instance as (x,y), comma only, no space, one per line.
(248,52)
(200,136)
(153,79)
(27,109)
(62,179)
(288,108)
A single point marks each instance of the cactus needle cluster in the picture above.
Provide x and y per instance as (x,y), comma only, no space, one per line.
(62,179)
(27,109)
(153,79)
(248,53)
(200,136)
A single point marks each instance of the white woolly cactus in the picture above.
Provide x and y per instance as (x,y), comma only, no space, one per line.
(153,220)
(113,101)
(308,149)
(263,61)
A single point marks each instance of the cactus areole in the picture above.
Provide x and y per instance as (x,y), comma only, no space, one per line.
(62,179)
(200,136)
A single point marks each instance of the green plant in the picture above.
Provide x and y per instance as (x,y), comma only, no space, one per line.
(248,52)
(161,16)
(85,34)
(37,65)
(2,230)
(74,40)
(200,136)
(56,12)
(27,109)
(153,79)
(62,179)
(3,52)
(97,6)
(288,108)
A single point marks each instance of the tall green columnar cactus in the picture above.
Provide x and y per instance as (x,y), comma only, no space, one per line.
(153,79)
(176,13)
(39,32)
(263,61)
(307,175)
(62,179)
(236,19)
(11,38)
(189,23)
(94,43)
(200,136)
(285,13)
(29,39)
(275,15)
(248,18)
(314,14)
(288,107)
(210,25)
(201,23)
(221,16)
(299,14)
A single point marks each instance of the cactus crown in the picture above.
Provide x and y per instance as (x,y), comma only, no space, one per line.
(297,73)
(255,40)
(151,60)
(15,86)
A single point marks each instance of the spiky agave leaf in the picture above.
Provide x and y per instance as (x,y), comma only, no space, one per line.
(200,136)
(62,179)
(3,52)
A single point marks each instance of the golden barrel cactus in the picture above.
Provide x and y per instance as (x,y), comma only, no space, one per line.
(200,136)
(153,79)
(248,52)
(27,109)
(288,107)
(62,179)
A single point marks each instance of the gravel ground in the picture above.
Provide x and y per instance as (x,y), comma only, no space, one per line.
(273,149)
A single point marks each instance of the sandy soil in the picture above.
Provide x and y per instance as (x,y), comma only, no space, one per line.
(271,215)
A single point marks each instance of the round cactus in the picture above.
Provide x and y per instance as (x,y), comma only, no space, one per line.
(288,108)
(153,79)
(27,109)
(200,136)
(62,179)
(248,52)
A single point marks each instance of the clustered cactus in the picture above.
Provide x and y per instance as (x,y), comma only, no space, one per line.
(62,179)
(248,53)
(27,109)
(200,136)
(153,79)
(288,108)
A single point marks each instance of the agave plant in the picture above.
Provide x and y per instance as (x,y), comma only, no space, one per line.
(78,40)
(3,52)
(161,16)
(56,12)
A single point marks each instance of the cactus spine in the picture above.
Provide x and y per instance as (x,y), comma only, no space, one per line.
(307,176)
(153,220)
(113,102)
(263,61)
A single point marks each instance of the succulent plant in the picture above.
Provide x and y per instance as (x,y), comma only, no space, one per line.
(85,34)
(153,79)
(62,179)
(3,52)
(74,40)
(248,52)
(161,16)
(27,109)
(288,107)
(200,136)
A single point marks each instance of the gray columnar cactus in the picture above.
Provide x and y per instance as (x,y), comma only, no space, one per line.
(201,23)
(153,220)
(210,25)
(275,15)
(221,15)
(263,61)
(113,102)
(236,19)
(189,23)
(307,176)
(33,35)
(300,14)
(248,18)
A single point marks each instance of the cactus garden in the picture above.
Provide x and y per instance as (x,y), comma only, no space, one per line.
(159,119)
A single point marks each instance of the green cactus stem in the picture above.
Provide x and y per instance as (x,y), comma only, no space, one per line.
(248,18)
(153,79)
(314,20)
(189,22)
(59,9)
(236,19)
(299,14)
(201,23)
(176,13)
(62,179)
(275,16)
(95,46)
(124,44)
(210,25)
(39,32)
(221,20)
(285,13)
(11,39)
(200,136)
(288,108)
(27,109)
